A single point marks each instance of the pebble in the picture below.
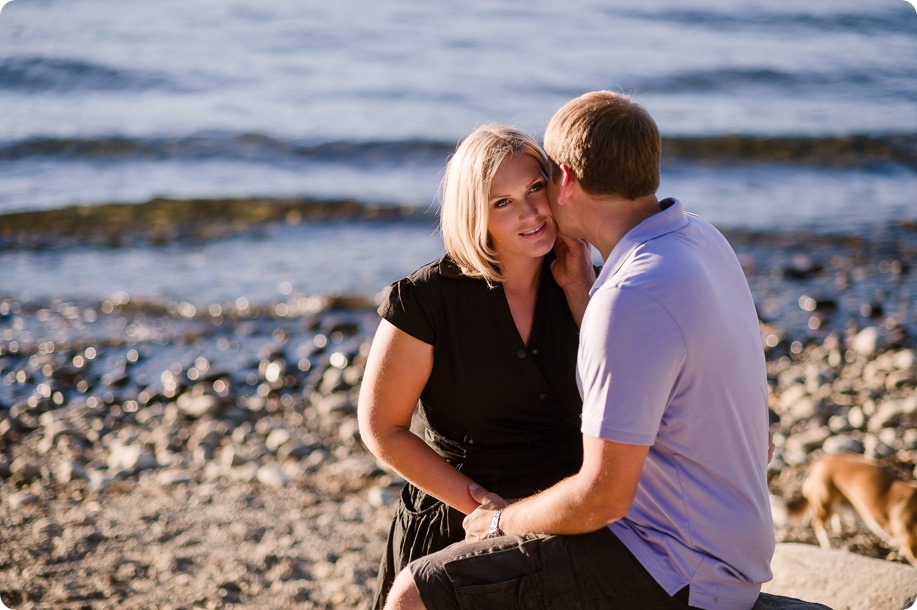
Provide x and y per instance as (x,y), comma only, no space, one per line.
(198,404)
(19,499)
(130,459)
(272,476)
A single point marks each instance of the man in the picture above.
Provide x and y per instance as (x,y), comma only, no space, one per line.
(670,508)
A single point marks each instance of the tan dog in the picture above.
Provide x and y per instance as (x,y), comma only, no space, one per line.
(887,505)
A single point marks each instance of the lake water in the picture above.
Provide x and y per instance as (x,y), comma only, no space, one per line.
(777,116)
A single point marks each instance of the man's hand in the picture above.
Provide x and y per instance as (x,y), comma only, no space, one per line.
(477,523)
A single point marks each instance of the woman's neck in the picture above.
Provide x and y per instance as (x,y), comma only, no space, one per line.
(522,276)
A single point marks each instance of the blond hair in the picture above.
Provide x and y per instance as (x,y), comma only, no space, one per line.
(465,196)
(610,143)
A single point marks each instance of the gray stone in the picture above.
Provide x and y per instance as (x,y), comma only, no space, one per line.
(171,477)
(890,412)
(68,471)
(276,439)
(335,403)
(842,444)
(866,342)
(272,476)
(130,459)
(381,497)
(294,449)
(98,480)
(25,469)
(54,430)
(198,405)
(808,440)
(905,360)
(840,580)
(875,448)
(231,456)
(20,499)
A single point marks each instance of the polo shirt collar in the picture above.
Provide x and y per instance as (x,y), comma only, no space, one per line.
(670,218)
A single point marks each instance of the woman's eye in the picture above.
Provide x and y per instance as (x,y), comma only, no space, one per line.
(537,187)
(501,203)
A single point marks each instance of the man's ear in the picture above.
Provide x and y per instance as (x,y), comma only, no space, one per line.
(568,181)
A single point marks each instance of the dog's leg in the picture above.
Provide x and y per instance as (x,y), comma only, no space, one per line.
(820,495)
(820,533)
(904,530)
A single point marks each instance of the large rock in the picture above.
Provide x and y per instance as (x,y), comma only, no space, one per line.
(841,580)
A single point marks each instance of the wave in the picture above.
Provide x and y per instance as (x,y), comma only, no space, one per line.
(882,21)
(35,73)
(894,81)
(847,151)
(163,220)
(248,146)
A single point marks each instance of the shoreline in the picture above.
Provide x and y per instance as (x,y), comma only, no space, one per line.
(166,220)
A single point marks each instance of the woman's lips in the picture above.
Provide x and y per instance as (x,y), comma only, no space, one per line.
(536,232)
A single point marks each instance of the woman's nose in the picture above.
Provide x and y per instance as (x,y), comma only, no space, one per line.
(531,207)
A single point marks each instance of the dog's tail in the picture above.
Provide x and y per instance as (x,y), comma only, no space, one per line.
(786,511)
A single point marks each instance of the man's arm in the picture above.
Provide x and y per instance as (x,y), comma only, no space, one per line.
(600,493)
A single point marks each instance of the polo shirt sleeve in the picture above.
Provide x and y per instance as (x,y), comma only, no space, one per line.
(406,305)
(631,355)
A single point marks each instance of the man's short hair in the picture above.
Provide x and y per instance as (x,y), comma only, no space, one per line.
(610,143)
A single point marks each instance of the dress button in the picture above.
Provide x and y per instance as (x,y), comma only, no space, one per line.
(521,354)
(544,397)
(534,351)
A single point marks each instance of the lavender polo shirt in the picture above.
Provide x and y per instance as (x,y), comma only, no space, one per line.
(671,357)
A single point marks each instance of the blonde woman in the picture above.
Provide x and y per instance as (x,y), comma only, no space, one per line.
(486,340)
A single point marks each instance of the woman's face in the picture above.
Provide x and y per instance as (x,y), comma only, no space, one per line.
(519,219)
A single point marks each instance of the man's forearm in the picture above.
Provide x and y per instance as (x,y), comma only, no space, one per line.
(600,493)
(565,508)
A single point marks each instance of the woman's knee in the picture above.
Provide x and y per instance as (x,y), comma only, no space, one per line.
(404,594)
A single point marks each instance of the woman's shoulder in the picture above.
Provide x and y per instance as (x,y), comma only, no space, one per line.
(436,272)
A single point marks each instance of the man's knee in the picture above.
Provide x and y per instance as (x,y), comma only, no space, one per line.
(404,594)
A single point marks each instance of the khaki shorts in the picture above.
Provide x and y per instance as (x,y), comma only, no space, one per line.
(534,571)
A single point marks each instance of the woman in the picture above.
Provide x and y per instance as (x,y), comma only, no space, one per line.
(486,339)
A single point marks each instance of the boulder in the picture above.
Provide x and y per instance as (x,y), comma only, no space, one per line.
(839,579)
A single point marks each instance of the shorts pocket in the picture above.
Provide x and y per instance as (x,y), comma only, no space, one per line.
(524,592)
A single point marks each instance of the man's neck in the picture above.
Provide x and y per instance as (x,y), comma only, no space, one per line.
(613,219)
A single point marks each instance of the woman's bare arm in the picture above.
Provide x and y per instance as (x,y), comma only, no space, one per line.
(397,370)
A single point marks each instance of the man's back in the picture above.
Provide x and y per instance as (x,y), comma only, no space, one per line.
(671,357)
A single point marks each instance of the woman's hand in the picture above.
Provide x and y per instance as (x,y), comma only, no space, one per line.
(477,523)
(572,268)
(573,272)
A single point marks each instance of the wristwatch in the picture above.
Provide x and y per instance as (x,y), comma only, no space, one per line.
(495,530)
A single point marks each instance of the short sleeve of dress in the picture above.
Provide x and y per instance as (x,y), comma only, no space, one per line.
(406,305)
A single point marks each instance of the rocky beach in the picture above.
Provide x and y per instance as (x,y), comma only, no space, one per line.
(178,455)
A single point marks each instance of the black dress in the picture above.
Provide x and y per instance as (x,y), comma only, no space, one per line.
(504,413)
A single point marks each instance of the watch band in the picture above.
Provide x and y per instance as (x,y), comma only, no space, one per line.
(495,530)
